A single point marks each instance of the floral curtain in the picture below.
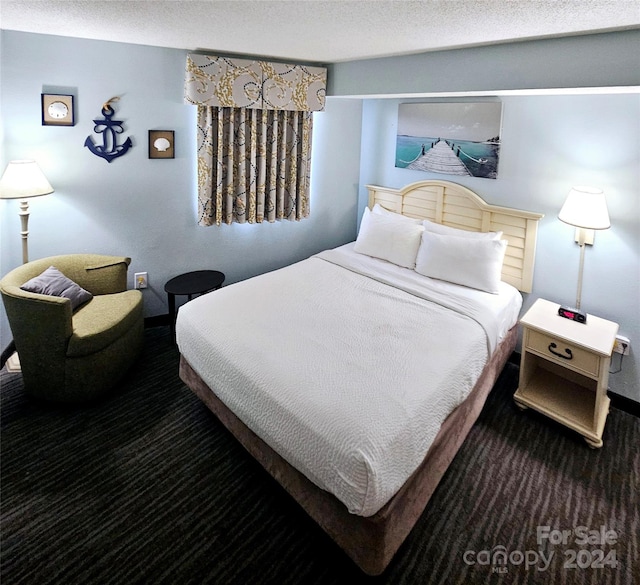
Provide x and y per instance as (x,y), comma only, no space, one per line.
(255,125)
(253,165)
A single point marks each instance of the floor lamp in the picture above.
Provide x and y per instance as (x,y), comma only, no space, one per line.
(23,179)
(586,209)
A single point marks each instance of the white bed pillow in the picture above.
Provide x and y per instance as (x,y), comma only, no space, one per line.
(389,239)
(445,230)
(466,261)
(379,210)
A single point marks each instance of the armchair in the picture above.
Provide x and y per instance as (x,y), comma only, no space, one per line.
(74,356)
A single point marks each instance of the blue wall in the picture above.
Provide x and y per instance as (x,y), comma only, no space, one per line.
(549,144)
(600,60)
(146,208)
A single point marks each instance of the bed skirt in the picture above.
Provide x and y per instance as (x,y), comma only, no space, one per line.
(370,541)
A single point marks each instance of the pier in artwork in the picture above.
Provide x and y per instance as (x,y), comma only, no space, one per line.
(440,159)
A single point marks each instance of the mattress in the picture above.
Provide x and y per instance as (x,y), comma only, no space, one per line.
(345,365)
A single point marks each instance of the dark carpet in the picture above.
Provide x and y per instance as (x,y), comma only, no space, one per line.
(147,487)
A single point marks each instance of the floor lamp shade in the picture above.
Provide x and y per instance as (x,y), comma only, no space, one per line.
(23,179)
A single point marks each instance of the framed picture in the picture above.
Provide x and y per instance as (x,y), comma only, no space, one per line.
(57,110)
(453,138)
(162,144)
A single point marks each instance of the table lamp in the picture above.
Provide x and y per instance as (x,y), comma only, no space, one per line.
(23,179)
(586,209)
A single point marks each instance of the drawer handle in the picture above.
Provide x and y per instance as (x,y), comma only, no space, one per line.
(569,355)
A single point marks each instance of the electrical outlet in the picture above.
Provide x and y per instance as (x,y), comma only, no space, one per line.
(621,345)
(140,280)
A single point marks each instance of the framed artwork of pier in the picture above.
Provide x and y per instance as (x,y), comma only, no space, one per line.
(453,138)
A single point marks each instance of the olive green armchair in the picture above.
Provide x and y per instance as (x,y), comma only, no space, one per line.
(76,355)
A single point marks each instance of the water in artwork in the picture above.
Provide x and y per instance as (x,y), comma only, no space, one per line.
(479,158)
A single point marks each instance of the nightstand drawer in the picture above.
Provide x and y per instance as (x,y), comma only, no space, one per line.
(563,353)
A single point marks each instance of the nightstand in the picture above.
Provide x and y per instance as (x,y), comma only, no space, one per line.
(564,369)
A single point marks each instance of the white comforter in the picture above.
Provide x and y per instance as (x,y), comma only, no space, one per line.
(345,365)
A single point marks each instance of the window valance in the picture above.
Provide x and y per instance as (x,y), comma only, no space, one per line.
(243,83)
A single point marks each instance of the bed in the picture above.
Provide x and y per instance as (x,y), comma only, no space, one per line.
(354,376)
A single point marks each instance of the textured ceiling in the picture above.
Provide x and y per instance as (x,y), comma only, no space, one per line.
(317,30)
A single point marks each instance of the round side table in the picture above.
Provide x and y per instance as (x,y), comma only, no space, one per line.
(190,283)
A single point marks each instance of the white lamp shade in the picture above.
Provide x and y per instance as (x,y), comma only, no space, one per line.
(22,179)
(586,208)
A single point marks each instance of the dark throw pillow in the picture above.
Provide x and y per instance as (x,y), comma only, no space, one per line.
(53,282)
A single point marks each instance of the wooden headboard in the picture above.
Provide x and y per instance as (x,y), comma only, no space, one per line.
(456,206)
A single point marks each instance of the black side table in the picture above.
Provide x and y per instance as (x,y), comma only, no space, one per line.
(190,283)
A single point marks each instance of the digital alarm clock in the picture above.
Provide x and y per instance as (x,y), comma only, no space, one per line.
(573,314)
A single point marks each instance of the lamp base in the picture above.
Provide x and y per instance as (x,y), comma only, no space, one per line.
(13,363)
(24,221)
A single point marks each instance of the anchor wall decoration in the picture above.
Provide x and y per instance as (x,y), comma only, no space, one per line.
(109,149)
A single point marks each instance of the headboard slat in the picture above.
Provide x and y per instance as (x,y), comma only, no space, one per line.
(456,206)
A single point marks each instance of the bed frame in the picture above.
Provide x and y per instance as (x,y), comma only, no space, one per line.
(372,541)
(456,206)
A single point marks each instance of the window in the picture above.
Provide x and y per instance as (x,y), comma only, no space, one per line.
(255,122)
